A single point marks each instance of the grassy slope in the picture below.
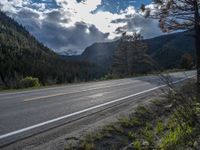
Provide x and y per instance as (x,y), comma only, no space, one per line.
(168,123)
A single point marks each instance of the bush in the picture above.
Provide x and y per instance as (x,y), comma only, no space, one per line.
(176,137)
(137,145)
(159,127)
(29,82)
(110,76)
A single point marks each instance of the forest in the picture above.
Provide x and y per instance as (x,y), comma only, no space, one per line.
(23,59)
(21,56)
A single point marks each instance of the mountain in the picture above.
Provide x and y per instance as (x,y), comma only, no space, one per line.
(22,55)
(166,50)
(101,54)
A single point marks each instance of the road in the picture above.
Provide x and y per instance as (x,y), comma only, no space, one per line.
(29,112)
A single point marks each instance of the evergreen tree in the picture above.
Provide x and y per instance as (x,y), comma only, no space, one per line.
(120,58)
(131,57)
(187,61)
(177,15)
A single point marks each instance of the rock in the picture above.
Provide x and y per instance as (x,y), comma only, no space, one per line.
(129,147)
(168,106)
(145,145)
(196,145)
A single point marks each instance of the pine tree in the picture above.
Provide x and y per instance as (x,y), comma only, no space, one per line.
(131,57)
(177,15)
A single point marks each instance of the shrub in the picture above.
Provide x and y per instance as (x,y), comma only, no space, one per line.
(29,82)
(176,137)
(137,145)
(159,127)
(131,135)
(148,135)
(135,121)
(110,76)
(125,122)
(88,146)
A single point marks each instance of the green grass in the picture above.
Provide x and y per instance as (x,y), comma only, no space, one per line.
(131,135)
(135,121)
(125,122)
(137,145)
(160,127)
(148,134)
(88,146)
(141,110)
(176,138)
(152,127)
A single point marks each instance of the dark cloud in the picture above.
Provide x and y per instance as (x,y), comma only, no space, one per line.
(56,16)
(147,27)
(75,38)
(78,1)
(52,33)
(48,21)
(122,20)
(27,13)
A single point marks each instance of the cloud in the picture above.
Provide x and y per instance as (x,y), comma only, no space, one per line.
(76,37)
(72,25)
(137,23)
(51,31)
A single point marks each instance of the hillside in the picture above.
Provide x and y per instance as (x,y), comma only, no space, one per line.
(22,55)
(101,54)
(166,50)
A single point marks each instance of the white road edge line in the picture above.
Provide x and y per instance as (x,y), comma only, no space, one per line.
(82,111)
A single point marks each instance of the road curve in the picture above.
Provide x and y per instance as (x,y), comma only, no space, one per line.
(30,112)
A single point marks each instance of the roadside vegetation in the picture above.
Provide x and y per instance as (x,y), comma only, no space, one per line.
(28,82)
(168,123)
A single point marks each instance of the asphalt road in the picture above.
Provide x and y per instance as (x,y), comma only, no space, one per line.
(29,112)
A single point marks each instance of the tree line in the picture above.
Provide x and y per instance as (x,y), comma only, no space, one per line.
(131,56)
(21,56)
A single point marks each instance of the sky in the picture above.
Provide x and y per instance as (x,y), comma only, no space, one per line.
(69,26)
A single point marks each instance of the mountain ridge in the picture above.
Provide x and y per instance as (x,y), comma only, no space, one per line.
(166,50)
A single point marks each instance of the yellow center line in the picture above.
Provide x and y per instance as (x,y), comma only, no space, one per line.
(43,97)
(60,94)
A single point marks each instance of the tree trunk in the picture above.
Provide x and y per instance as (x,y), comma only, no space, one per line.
(197,40)
(198,57)
(3,80)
